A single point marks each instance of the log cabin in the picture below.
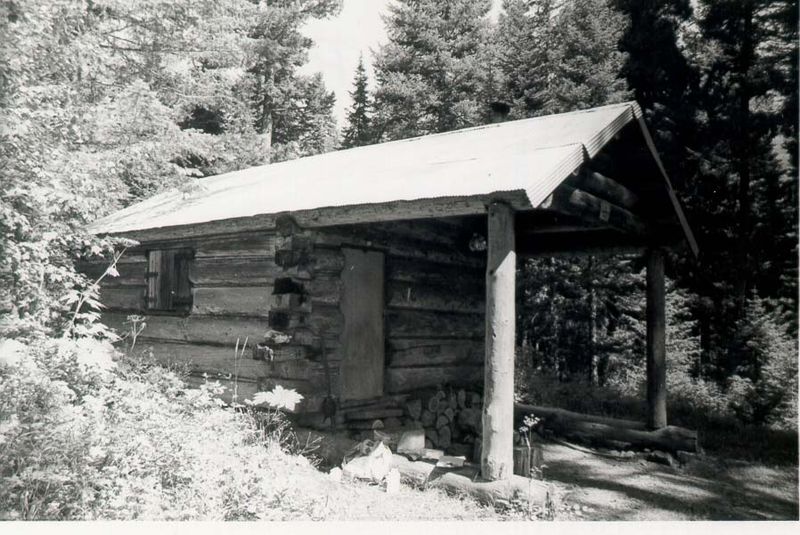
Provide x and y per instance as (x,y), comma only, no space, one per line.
(363,277)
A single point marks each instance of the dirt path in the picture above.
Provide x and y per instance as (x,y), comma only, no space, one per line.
(594,487)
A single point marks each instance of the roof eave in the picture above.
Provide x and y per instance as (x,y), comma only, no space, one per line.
(687,231)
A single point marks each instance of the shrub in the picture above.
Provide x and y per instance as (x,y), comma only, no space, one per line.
(764,388)
(86,433)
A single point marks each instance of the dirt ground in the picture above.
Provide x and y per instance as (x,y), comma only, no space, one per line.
(588,485)
(597,487)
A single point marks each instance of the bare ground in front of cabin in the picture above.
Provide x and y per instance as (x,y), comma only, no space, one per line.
(598,487)
(588,485)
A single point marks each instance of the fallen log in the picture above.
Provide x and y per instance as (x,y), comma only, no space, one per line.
(601,431)
(466,480)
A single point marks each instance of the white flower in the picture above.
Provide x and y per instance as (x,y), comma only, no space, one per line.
(279,398)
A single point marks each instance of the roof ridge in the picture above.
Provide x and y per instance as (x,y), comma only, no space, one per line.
(365,148)
(492,125)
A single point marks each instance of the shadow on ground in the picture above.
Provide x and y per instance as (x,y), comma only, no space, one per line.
(704,489)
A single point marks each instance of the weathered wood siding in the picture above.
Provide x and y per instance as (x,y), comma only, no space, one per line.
(435,294)
(290,280)
(234,282)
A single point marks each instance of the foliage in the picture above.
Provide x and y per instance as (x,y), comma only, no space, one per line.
(763,391)
(287,107)
(741,187)
(307,126)
(580,316)
(688,388)
(358,131)
(583,318)
(107,102)
(74,444)
(278,398)
(430,75)
(716,80)
(764,388)
(557,57)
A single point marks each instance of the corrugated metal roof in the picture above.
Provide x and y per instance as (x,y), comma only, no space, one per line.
(532,156)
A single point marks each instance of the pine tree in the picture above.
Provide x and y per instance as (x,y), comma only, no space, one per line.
(742,199)
(431,75)
(660,77)
(106,103)
(359,125)
(524,36)
(586,60)
(276,49)
(555,58)
(307,125)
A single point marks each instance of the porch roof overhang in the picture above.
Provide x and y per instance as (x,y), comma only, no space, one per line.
(529,164)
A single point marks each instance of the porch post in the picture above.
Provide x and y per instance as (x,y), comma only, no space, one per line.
(497,447)
(656,341)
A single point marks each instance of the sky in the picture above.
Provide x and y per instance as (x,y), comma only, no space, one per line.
(338,41)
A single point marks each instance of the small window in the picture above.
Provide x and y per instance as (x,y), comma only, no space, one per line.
(168,286)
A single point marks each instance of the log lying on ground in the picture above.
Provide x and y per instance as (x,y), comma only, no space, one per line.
(465,480)
(610,431)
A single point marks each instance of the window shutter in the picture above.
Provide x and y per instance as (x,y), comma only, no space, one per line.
(166,276)
(183,287)
(168,284)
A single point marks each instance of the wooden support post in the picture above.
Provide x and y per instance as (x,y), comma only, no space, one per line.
(497,455)
(656,341)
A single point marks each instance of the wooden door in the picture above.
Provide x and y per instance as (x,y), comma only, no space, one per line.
(363,339)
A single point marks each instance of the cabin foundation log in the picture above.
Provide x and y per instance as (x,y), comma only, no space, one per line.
(497,457)
(656,341)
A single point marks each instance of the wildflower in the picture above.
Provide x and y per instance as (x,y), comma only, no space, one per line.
(278,398)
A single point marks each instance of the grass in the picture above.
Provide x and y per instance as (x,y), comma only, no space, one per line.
(88,434)
(720,435)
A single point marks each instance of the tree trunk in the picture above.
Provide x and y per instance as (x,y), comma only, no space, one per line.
(656,341)
(741,146)
(265,119)
(594,362)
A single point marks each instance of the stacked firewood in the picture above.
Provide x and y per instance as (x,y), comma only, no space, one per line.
(451,419)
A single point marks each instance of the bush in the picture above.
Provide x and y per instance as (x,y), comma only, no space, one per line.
(764,387)
(86,433)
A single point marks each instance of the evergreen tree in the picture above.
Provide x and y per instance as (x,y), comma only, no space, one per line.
(660,76)
(276,49)
(105,103)
(307,126)
(559,57)
(431,75)
(358,131)
(524,36)
(742,199)
(584,313)
(586,60)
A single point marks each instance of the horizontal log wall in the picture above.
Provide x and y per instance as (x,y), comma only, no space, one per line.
(289,280)
(434,300)
(234,279)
